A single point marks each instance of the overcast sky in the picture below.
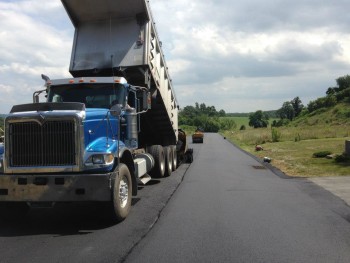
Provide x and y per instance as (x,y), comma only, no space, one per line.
(240,56)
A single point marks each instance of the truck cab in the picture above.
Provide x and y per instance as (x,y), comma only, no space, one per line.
(79,145)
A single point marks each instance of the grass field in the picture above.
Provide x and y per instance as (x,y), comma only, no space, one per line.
(291,147)
(289,133)
(240,121)
(293,153)
(296,158)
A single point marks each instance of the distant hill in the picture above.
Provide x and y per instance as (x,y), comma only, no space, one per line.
(333,116)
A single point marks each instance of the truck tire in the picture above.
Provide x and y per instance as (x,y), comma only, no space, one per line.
(173,149)
(189,157)
(122,193)
(157,153)
(168,160)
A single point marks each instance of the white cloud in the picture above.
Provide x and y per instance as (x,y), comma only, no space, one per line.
(236,55)
(31,43)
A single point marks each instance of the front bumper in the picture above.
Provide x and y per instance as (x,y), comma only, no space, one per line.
(56,187)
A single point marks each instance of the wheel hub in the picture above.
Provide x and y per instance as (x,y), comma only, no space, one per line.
(123,192)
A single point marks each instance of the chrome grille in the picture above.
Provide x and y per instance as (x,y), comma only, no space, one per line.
(49,144)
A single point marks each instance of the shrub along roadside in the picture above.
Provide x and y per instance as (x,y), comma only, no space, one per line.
(321,154)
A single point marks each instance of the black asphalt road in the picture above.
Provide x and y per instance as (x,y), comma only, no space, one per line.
(229,208)
(82,233)
(224,207)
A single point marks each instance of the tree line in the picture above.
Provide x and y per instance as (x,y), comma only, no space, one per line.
(205,117)
(295,108)
(1,124)
(2,129)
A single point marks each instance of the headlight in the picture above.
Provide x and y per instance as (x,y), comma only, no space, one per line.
(101,159)
(98,159)
(109,158)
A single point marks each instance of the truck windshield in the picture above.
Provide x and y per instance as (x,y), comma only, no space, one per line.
(92,95)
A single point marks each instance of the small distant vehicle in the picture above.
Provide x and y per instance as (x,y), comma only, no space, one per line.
(198,136)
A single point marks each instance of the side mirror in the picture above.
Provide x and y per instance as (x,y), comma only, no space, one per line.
(36,99)
(116,110)
(36,95)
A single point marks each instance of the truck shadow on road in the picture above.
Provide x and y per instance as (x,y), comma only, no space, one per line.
(63,219)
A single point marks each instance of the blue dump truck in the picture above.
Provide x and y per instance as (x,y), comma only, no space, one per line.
(99,134)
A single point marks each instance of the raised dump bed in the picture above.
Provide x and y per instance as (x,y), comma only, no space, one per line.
(119,38)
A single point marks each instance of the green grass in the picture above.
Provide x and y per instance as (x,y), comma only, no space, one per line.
(327,130)
(289,133)
(240,121)
(295,158)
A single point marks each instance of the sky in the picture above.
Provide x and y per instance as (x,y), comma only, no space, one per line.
(239,56)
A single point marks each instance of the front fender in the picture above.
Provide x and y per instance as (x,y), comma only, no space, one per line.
(99,146)
(104,145)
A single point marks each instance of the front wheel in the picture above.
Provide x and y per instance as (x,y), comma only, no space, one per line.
(122,193)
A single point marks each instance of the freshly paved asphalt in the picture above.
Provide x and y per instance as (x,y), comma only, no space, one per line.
(230,208)
(83,233)
(224,207)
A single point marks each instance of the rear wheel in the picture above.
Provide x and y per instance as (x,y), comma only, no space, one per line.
(168,160)
(173,149)
(157,153)
(189,156)
(122,193)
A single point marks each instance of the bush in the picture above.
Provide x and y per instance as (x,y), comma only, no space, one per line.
(341,95)
(343,158)
(211,125)
(188,129)
(321,154)
(297,138)
(324,102)
(280,123)
(227,124)
(276,135)
(242,128)
(259,119)
(342,113)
